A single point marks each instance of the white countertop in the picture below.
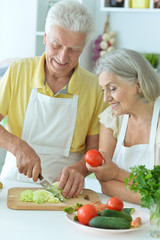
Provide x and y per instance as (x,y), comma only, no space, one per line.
(42,225)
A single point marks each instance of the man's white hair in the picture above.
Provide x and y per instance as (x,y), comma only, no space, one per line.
(71,15)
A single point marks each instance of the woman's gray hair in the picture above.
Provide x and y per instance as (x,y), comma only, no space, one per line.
(71,15)
(131,66)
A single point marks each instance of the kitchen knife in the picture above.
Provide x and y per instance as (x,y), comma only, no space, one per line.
(51,188)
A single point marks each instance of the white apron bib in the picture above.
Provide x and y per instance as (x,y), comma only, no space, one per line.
(48,128)
(141,154)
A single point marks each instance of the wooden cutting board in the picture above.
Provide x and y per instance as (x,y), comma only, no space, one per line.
(13,201)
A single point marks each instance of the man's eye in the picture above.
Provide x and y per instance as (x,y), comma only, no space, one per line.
(55,46)
(74,50)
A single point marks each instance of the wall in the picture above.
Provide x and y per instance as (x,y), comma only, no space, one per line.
(135,30)
(85,59)
(17,28)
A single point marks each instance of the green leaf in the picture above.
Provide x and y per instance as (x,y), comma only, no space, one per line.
(148,176)
(126,181)
(146,182)
(131,176)
(69,209)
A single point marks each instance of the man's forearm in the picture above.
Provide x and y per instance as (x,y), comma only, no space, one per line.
(8,141)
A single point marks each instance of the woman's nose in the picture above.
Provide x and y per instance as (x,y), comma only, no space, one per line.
(107,97)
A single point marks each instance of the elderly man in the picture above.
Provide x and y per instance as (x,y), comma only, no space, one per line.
(52,105)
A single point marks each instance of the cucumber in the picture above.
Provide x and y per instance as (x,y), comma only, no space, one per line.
(114,213)
(109,222)
(128,210)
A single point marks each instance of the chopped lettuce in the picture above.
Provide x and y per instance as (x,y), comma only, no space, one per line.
(55,184)
(27,196)
(41,196)
(38,196)
(56,191)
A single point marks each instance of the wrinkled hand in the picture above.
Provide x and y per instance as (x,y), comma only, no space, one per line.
(107,171)
(28,162)
(71,181)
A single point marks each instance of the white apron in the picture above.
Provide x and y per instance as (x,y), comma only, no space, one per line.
(141,154)
(48,128)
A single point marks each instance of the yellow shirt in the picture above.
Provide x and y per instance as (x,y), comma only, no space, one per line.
(26,74)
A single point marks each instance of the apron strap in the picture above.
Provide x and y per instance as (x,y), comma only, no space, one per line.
(121,135)
(154,123)
(123,129)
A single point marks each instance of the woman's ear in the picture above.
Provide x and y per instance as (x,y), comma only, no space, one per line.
(138,87)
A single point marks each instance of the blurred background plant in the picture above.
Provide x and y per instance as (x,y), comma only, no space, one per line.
(153,58)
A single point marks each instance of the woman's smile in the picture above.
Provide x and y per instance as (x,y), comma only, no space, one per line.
(114,105)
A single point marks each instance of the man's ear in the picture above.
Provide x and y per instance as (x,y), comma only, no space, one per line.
(44,39)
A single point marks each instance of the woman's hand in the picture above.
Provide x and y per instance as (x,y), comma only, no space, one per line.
(107,171)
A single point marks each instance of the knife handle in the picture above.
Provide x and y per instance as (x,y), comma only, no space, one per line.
(40,177)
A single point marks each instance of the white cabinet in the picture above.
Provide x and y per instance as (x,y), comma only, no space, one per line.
(128,7)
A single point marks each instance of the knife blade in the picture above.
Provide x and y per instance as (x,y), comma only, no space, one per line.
(51,188)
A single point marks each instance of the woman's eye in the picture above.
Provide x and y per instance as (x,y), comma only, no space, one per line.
(112,89)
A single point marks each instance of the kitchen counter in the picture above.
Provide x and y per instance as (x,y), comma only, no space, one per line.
(40,225)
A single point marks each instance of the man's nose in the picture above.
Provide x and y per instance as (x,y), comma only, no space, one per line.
(63,55)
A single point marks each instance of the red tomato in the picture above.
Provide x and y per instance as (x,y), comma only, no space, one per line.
(86,213)
(93,157)
(115,204)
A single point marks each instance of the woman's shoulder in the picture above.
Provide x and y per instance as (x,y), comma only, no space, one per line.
(110,120)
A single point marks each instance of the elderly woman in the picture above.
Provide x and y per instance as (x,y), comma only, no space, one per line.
(130,130)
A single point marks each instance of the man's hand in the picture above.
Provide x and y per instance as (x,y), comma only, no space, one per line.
(28,162)
(71,181)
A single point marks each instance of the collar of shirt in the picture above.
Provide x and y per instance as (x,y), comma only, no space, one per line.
(62,91)
(39,76)
(73,86)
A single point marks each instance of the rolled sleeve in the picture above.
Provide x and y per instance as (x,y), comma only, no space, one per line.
(110,120)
